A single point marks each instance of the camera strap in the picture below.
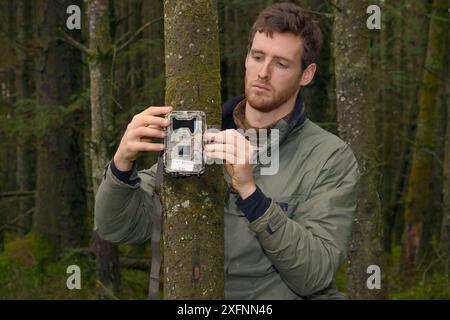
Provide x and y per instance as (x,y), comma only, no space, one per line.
(156,233)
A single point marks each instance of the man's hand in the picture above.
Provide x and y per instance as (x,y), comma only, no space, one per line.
(237,152)
(144,125)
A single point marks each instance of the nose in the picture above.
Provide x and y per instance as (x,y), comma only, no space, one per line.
(264,72)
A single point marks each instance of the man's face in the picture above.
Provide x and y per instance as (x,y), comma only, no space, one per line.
(273,70)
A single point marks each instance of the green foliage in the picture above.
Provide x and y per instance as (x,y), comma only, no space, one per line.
(134,284)
(139,47)
(29,120)
(30,270)
(60,116)
(435,289)
(20,121)
(341,279)
(29,251)
(434,286)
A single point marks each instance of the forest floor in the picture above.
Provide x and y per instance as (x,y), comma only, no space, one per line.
(429,286)
(28,271)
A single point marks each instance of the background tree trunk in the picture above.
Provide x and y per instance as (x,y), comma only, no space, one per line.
(418,183)
(100,69)
(60,207)
(356,124)
(193,207)
(445,233)
(134,56)
(412,56)
(153,64)
(315,95)
(390,62)
(25,144)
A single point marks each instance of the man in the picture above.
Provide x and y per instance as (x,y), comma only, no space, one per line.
(285,234)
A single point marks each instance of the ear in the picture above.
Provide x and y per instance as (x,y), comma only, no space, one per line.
(308,74)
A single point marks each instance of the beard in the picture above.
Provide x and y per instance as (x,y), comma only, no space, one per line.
(267,101)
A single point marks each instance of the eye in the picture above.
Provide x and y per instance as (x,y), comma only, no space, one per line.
(257,58)
(282,65)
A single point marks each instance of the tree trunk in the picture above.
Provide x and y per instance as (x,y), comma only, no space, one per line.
(418,183)
(25,145)
(356,124)
(445,232)
(193,207)
(100,70)
(154,58)
(315,95)
(152,66)
(121,62)
(412,57)
(60,206)
(134,56)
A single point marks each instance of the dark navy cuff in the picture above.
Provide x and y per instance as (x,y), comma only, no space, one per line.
(124,176)
(254,205)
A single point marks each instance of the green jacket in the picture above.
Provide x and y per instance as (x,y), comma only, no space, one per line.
(310,218)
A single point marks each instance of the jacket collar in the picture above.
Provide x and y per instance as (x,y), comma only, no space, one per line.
(285,127)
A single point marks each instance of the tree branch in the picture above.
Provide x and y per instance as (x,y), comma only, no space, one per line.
(325,14)
(139,31)
(76,44)
(122,38)
(30,211)
(108,292)
(13,194)
(334,5)
(140,264)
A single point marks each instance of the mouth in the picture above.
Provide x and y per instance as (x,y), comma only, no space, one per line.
(260,87)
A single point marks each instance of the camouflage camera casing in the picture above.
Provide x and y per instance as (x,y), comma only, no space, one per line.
(184,143)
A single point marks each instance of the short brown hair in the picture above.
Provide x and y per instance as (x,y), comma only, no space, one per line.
(288,17)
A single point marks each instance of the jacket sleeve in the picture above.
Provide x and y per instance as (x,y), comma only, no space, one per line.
(123,211)
(308,248)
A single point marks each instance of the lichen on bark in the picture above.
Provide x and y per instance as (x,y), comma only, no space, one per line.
(193,207)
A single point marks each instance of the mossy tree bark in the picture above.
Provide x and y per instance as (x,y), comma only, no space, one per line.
(356,124)
(100,70)
(193,207)
(60,206)
(421,167)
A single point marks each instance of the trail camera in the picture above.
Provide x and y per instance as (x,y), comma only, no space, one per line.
(184,144)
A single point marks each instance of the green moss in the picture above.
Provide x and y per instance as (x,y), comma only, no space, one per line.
(29,270)
(29,251)
(434,286)
(434,289)
(134,284)
(341,279)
